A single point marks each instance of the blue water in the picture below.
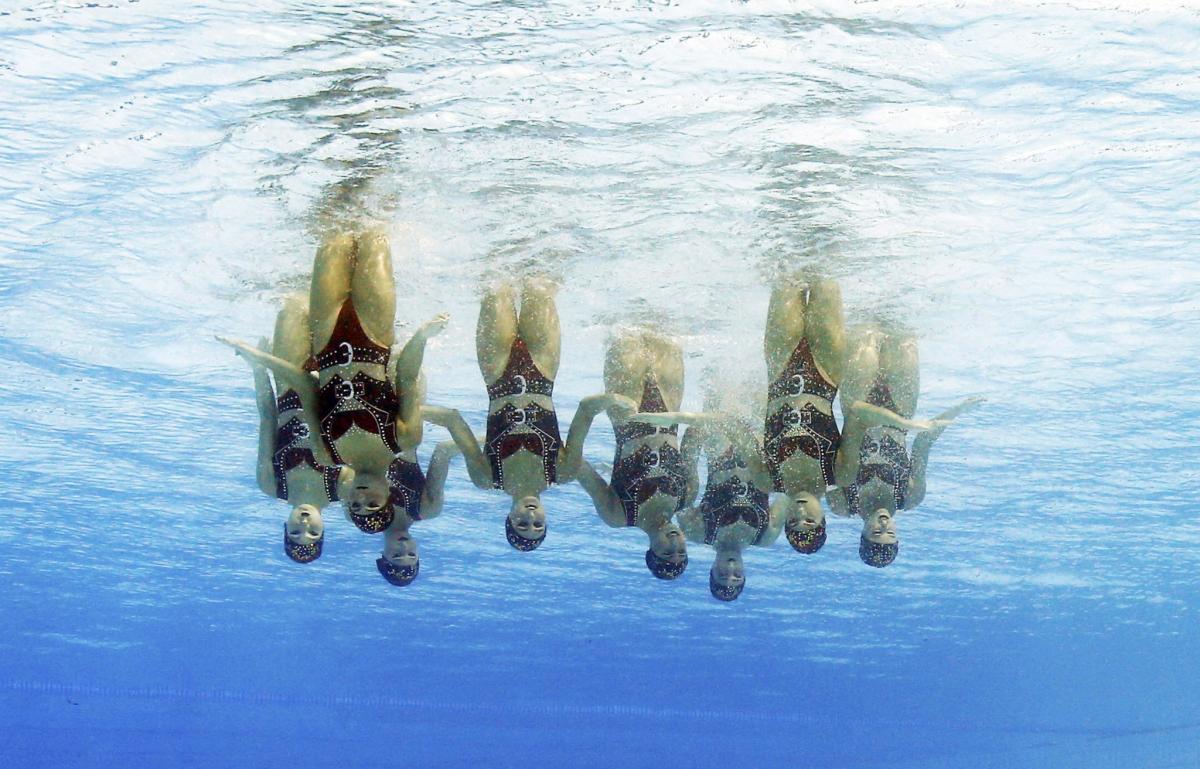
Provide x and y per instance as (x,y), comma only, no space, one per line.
(1018,184)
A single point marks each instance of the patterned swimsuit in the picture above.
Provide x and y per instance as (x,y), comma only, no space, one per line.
(647,471)
(808,428)
(529,427)
(732,500)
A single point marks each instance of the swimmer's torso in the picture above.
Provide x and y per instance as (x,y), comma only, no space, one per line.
(299,478)
(801,437)
(522,439)
(733,508)
(648,475)
(406,484)
(357,402)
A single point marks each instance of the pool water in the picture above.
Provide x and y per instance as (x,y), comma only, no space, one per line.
(1014,182)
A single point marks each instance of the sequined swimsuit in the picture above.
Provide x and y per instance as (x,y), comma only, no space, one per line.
(361,401)
(883,456)
(647,471)
(528,427)
(293,449)
(809,429)
(734,499)
(406,483)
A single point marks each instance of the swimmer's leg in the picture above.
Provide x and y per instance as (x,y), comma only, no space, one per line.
(900,370)
(825,328)
(625,366)
(862,366)
(785,325)
(332,269)
(496,331)
(374,288)
(293,337)
(539,326)
(667,362)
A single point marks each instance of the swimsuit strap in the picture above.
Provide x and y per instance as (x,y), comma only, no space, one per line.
(348,344)
(521,375)
(801,376)
(289,401)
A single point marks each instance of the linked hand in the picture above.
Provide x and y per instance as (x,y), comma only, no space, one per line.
(656,420)
(621,407)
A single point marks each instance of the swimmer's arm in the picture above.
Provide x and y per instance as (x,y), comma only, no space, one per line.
(435,479)
(608,505)
(915,494)
(875,416)
(776,518)
(672,418)
(745,443)
(409,424)
(689,450)
(291,375)
(692,524)
(836,499)
(571,454)
(846,463)
(478,467)
(268,425)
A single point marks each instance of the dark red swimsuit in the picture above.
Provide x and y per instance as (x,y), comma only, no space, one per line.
(647,471)
(808,429)
(293,448)
(883,455)
(361,401)
(529,427)
(734,499)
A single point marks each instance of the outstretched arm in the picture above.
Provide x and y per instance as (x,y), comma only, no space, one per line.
(435,479)
(478,467)
(860,417)
(295,378)
(268,425)
(604,499)
(409,425)
(776,517)
(915,493)
(571,454)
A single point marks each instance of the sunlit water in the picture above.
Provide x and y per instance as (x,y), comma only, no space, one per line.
(1017,184)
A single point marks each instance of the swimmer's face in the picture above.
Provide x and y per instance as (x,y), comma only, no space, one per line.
(806,514)
(304,525)
(669,545)
(528,517)
(400,549)
(728,570)
(368,494)
(880,527)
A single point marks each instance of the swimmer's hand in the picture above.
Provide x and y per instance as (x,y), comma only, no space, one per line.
(654,419)
(243,349)
(621,407)
(434,326)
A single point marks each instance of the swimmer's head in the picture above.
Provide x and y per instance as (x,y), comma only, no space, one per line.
(805,527)
(667,557)
(525,527)
(401,561)
(878,544)
(304,534)
(366,502)
(727,577)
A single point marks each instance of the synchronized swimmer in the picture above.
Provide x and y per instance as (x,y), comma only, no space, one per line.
(343,421)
